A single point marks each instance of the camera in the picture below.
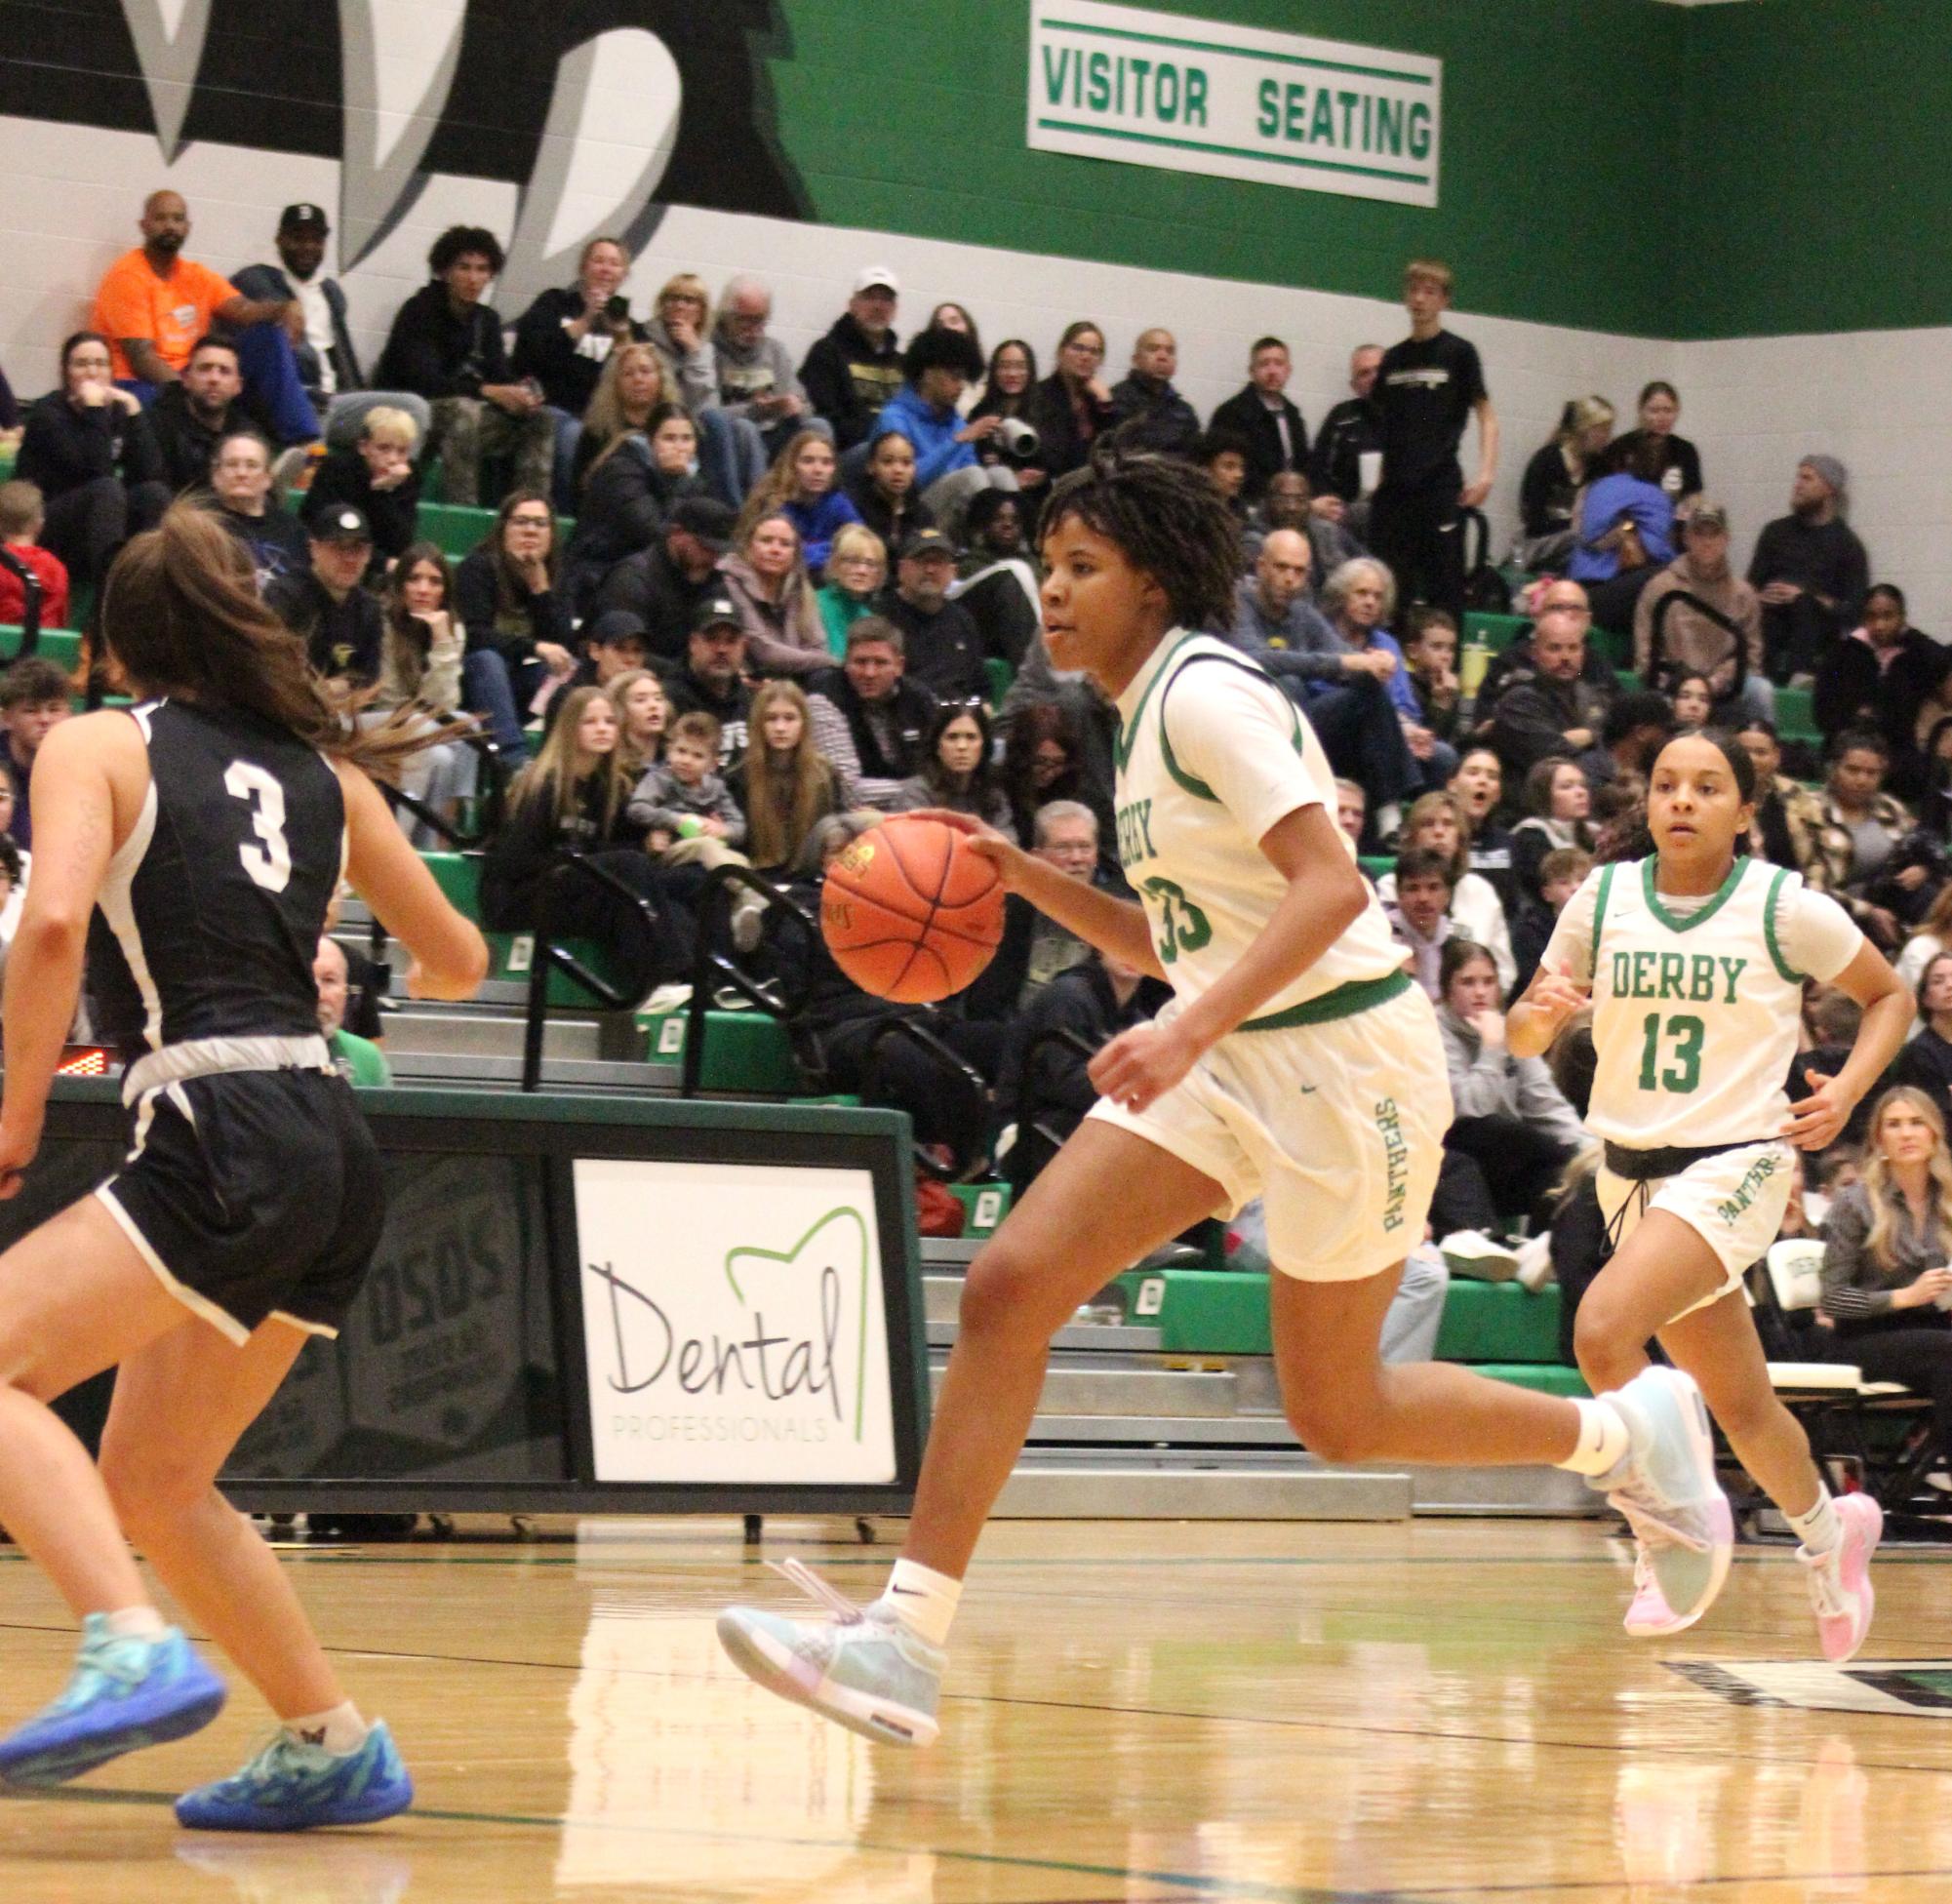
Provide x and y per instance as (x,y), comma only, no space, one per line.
(1016,438)
(618,310)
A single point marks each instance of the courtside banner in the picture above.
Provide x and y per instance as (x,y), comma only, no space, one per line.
(732,1324)
(1188,94)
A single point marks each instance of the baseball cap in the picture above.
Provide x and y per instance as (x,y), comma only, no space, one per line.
(1708,515)
(715,611)
(877,274)
(926,541)
(708,518)
(295,218)
(617,624)
(344,524)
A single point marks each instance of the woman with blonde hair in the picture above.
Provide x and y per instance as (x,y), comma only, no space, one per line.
(732,454)
(631,386)
(645,712)
(856,571)
(1437,820)
(1548,493)
(786,786)
(1887,1243)
(767,580)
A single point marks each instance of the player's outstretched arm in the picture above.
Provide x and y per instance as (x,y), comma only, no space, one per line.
(1114,926)
(73,805)
(1819,1118)
(450,955)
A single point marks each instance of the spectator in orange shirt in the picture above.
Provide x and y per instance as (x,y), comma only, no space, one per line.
(22,516)
(154,305)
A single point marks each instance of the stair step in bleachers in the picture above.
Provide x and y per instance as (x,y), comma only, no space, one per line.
(60,646)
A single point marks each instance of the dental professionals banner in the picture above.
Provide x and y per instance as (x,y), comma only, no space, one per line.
(732,1324)
(1190,94)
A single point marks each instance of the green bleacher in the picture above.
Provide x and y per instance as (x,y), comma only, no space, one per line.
(60,646)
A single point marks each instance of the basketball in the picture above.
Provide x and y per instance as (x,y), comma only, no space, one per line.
(910,913)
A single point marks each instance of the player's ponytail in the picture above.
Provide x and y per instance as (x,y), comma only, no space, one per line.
(180,615)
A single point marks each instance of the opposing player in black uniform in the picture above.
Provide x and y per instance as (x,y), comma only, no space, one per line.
(190,845)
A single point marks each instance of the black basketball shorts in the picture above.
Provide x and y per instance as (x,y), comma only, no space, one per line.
(254,1194)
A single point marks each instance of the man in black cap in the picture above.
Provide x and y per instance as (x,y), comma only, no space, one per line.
(341,624)
(943,644)
(664,584)
(326,363)
(711,679)
(612,643)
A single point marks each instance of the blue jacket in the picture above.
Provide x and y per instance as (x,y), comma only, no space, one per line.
(1610,497)
(932,431)
(819,522)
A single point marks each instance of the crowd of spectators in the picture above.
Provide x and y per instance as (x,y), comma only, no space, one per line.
(801,596)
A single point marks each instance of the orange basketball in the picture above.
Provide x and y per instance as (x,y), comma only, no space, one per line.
(909,912)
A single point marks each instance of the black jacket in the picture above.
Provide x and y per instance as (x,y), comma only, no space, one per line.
(877,513)
(1850,688)
(654,588)
(910,710)
(433,353)
(1347,431)
(1063,444)
(545,351)
(1245,416)
(513,635)
(624,505)
(944,650)
(1536,711)
(733,711)
(848,378)
(342,478)
(343,638)
(1153,415)
(64,446)
(270,280)
(185,441)
(529,843)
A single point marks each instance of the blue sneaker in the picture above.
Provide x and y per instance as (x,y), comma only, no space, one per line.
(1666,1488)
(125,1694)
(296,1787)
(291,1786)
(861,1670)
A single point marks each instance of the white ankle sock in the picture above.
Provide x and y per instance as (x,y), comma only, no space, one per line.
(1604,1441)
(922,1600)
(137,1623)
(1819,1530)
(340,1731)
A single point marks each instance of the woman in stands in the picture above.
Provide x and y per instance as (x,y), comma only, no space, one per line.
(419,668)
(632,486)
(1926,1058)
(786,786)
(1886,1244)
(998,583)
(1072,405)
(1010,390)
(1557,808)
(89,449)
(1694,958)
(884,492)
(800,486)
(1553,479)
(857,572)
(193,844)
(517,621)
(955,317)
(957,773)
(1691,696)
(644,712)
(630,386)
(1436,821)
(1848,836)
(1479,784)
(1676,465)
(766,579)
(571,800)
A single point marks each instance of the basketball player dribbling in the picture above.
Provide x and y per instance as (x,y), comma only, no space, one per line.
(1296,1062)
(190,846)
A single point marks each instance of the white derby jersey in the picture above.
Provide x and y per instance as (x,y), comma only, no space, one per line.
(1696,1002)
(1211,754)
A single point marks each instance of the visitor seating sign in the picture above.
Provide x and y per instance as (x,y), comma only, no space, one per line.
(1188,94)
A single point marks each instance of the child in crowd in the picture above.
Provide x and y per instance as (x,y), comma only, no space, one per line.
(641,706)
(1421,915)
(1559,875)
(686,809)
(800,486)
(33,700)
(22,517)
(377,476)
(1430,648)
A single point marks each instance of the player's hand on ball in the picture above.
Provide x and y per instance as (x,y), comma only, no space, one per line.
(984,841)
(1141,1065)
(1816,1122)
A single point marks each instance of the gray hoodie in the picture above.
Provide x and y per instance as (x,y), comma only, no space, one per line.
(749,370)
(1493,1084)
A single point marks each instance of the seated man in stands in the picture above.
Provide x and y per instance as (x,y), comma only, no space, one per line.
(869,719)
(755,375)
(33,701)
(1035,950)
(240,483)
(358,1060)
(857,366)
(1810,570)
(1148,413)
(1879,677)
(1714,628)
(446,347)
(1419,916)
(1549,705)
(1264,417)
(939,638)
(343,627)
(666,584)
(191,416)
(154,305)
(713,680)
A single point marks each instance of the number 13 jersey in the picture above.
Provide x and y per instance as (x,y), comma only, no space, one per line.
(1696,1002)
(210,917)
(1210,753)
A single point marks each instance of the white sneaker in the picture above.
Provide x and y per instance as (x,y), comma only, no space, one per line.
(1473,1254)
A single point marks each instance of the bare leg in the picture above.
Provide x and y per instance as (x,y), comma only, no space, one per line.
(1105,1199)
(1347,1406)
(75,1298)
(180,1407)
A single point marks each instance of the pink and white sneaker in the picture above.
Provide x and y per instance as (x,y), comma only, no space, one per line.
(1840,1582)
(1647,1613)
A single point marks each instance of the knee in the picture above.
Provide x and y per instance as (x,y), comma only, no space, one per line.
(1606,1341)
(152,1494)
(1004,1296)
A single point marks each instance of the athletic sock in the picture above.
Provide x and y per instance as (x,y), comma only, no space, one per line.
(1604,1441)
(137,1623)
(922,1600)
(339,1731)
(1819,1530)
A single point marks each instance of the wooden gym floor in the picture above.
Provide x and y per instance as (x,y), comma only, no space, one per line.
(1289,1714)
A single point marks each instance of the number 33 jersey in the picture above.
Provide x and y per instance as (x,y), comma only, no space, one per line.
(1211,754)
(210,917)
(1696,1001)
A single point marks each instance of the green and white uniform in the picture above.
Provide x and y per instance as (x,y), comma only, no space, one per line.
(1695,1008)
(1332,1100)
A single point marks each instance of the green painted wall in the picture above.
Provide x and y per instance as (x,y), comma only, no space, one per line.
(1818,192)
(908,115)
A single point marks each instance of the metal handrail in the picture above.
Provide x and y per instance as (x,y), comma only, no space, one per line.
(488,806)
(964,1076)
(712,971)
(548,956)
(1657,642)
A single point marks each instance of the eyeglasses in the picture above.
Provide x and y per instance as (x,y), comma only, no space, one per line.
(527,522)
